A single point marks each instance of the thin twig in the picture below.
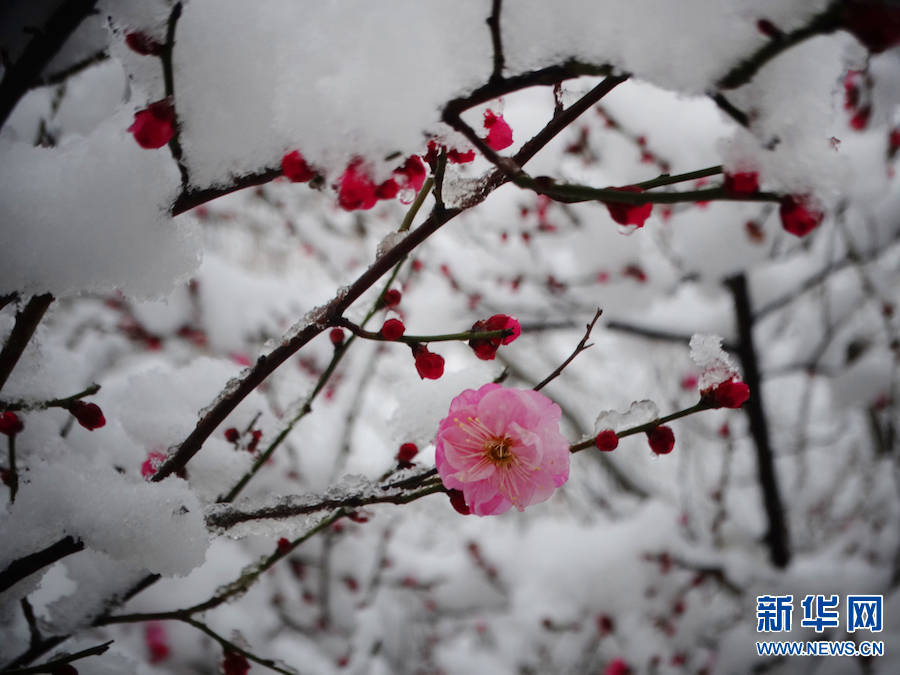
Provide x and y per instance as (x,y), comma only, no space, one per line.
(166,56)
(229,646)
(65,402)
(580,347)
(63,660)
(493,22)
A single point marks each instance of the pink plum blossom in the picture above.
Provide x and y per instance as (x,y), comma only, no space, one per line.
(502,447)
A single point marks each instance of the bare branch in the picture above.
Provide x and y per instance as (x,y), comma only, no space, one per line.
(580,347)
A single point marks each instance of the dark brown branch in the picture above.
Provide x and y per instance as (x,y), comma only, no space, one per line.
(45,44)
(496,40)
(826,22)
(26,323)
(33,631)
(193,197)
(22,567)
(777,536)
(580,347)
(730,109)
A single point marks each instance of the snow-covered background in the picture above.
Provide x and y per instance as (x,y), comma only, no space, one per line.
(654,561)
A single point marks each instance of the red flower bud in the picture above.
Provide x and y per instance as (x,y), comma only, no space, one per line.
(10,424)
(797,217)
(428,364)
(661,440)
(741,183)
(606,440)
(486,348)
(499,132)
(64,669)
(88,415)
(143,44)
(629,214)
(154,126)
(617,667)
(284,545)
(336,335)
(232,435)
(295,168)
(730,394)
(458,502)
(356,190)
(235,664)
(392,298)
(406,453)
(875,23)
(454,156)
(393,329)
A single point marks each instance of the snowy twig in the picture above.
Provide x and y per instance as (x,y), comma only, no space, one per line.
(65,402)
(413,339)
(580,347)
(26,323)
(226,518)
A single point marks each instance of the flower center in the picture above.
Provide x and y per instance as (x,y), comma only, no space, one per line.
(497,449)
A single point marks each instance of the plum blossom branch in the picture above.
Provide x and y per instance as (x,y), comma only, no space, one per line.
(334,309)
(50,666)
(703,404)
(580,347)
(336,357)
